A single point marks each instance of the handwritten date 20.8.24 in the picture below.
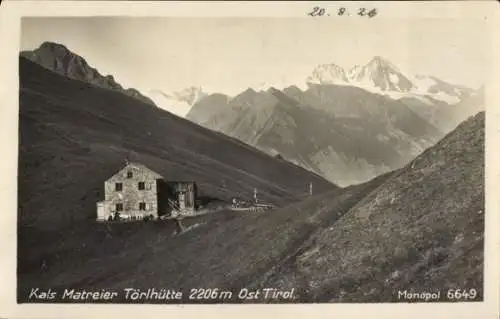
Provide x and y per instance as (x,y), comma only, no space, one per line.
(343,11)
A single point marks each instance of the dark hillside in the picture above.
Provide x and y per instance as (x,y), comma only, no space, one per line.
(74,135)
(422,230)
(227,251)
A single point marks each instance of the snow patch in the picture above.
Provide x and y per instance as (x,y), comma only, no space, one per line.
(394,78)
(423,83)
(445,97)
(172,105)
(370,87)
(178,102)
(382,138)
(303,86)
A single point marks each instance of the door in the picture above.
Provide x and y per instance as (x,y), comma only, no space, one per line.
(182,200)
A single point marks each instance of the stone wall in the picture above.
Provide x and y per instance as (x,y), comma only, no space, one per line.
(130,196)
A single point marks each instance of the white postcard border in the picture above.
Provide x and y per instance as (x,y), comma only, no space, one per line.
(12,11)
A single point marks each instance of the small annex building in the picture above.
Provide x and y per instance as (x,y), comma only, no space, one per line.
(136,192)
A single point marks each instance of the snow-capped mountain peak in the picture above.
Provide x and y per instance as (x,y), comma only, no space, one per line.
(377,75)
(423,82)
(190,94)
(177,102)
(381,74)
(328,74)
(439,89)
(380,62)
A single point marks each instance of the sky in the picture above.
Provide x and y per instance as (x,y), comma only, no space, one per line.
(228,55)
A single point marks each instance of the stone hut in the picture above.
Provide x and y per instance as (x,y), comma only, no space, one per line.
(136,192)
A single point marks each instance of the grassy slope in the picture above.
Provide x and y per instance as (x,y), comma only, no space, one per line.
(73,136)
(422,230)
(227,251)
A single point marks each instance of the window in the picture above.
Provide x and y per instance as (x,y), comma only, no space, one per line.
(141,186)
(142,206)
(118,187)
(129,174)
(119,207)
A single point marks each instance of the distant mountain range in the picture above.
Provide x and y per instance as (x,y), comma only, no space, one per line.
(378,76)
(58,58)
(358,136)
(348,126)
(433,99)
(381,76)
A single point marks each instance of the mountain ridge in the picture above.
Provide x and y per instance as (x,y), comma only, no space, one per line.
(310,131)
(59,59)
(381,76)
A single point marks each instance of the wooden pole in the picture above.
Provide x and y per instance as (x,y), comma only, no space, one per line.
(179,227)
